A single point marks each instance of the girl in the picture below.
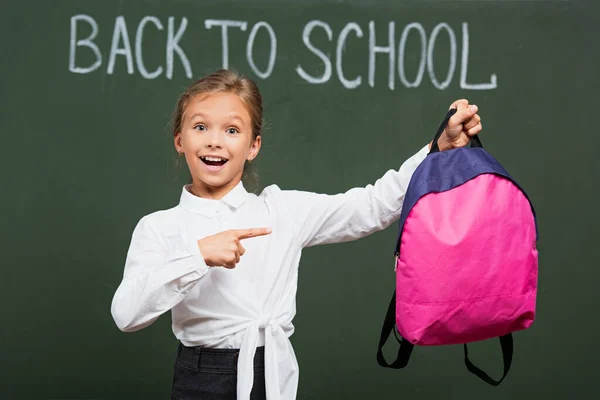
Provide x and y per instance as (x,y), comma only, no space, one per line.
(225,261)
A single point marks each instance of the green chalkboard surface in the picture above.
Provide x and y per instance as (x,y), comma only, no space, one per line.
(351,89)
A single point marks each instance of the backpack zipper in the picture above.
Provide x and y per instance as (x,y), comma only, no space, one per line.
(396,254)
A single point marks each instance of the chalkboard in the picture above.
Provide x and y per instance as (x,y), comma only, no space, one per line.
(352,88)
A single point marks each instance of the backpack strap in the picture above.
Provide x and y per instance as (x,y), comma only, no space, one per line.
(406,348)
(506,342)
(389,324)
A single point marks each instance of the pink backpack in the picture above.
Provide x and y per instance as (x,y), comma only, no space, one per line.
(466,258)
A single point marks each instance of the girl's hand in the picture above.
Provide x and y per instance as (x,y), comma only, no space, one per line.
(224,249)
(461,126)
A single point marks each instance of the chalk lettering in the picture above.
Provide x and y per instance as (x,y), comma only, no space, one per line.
(306,39)
(431,47)
(390,49)
(402,51)
(87,42)
(465,63)
(120,32)
(272,54)
(341,43)
(138,48)
(418,56)
(225,24)
(173,45)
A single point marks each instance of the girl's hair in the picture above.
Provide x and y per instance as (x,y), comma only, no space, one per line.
(228,81)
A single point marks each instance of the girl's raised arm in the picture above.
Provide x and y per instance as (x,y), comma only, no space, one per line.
(322,219)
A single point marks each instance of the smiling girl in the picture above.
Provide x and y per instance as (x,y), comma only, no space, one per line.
(225,261)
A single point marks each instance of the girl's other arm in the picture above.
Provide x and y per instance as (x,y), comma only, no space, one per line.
(158,273)
(322,219)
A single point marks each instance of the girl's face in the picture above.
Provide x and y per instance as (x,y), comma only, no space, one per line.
(216,139)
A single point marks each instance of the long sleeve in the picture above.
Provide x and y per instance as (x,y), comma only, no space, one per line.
(159,271)
(322,219)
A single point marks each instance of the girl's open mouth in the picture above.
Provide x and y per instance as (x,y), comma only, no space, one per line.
(213,161)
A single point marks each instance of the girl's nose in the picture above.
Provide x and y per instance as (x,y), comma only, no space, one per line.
(214,141)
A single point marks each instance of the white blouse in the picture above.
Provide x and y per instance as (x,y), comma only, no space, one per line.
(253,304)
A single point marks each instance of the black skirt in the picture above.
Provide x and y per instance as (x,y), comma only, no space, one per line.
(211,374)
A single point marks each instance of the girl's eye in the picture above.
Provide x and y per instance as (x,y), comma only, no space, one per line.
(200,127)
(232,130)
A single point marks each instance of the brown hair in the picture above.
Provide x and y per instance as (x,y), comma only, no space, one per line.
(229,81)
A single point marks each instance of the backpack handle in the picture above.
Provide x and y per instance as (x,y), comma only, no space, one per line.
(475,141)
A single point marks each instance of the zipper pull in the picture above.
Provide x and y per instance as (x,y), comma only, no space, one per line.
(396,254)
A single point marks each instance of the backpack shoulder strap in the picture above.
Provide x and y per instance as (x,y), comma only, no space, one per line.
(506,342)
(406,347)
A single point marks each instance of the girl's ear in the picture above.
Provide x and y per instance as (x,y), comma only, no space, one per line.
(254,149)
(177,141)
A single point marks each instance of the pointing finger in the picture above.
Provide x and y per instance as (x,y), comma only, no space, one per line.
(253,232)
